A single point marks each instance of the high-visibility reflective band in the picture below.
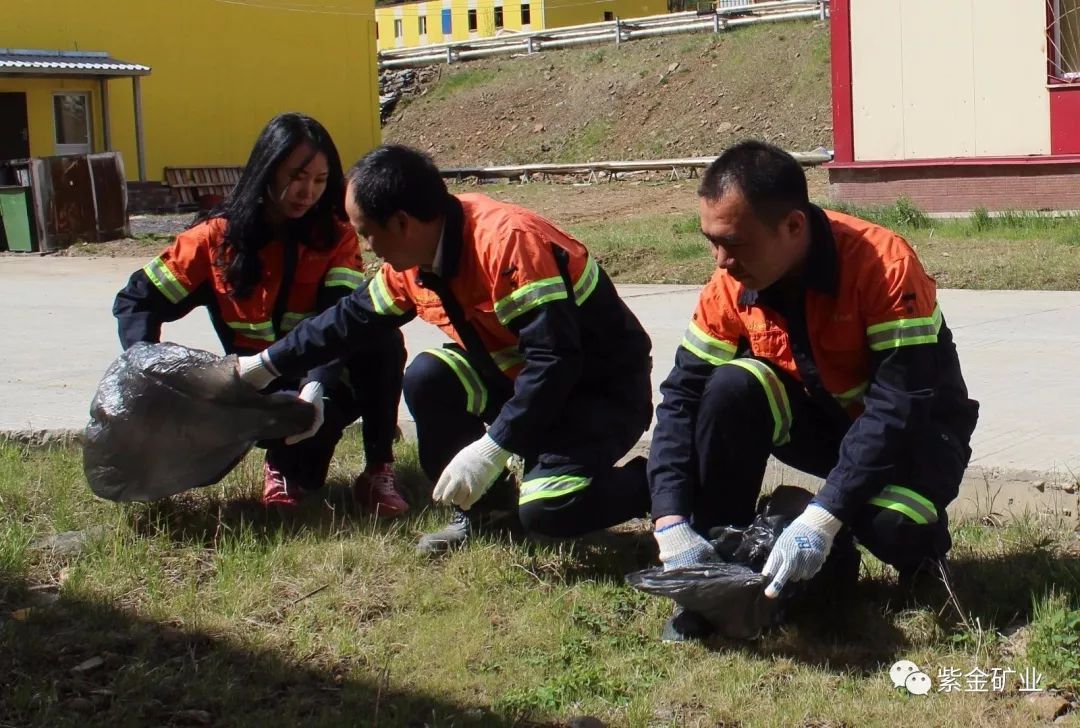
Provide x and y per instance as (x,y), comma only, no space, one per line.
(586,284)
(475,391)
(906,501)
(263,330)
(708,348)
(528,297)
(290,319)
(775,393)
(855,394)
(343,277)
(381,298)
(552,487)
(163,278)
(507,358)
(904,332)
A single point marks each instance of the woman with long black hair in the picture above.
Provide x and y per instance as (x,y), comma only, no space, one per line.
(278,250)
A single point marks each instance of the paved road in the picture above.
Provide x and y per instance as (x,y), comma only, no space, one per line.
(1020,352)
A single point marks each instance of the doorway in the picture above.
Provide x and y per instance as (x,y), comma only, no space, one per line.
(14,127)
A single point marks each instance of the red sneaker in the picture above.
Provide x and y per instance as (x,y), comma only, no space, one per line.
(276,491)
(376,491)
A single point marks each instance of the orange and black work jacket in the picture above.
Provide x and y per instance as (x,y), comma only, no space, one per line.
(861,331)
(525,300)
(185,276)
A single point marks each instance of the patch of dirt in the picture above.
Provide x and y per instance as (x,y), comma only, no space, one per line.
(570,204)
(160,225)
(667,97)
(122,248)
(150,235)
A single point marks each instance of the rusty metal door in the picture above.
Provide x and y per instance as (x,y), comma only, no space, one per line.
(79,199)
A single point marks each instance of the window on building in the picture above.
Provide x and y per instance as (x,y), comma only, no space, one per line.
(447,22)
(608,15)
(376,31)
(1064,36)
(421,24)
(472,20)
(499,17)
(526,16)
(399,27)
(71,119)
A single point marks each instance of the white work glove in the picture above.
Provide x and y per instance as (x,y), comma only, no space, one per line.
(682,546)
(801,549)
(256,370)
(472,471)
(313,393)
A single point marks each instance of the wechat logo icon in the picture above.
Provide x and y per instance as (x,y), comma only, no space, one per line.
(907,677)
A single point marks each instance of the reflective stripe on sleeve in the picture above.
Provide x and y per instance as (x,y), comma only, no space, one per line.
(904,332)
(346,277)
(380,297)
(528,297)
(904,500)
(164,280)
(708,348)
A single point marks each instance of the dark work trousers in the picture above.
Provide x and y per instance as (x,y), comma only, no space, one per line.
(571,485)
(737,428)
(369,387)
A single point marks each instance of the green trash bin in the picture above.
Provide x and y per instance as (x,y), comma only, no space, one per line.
(16,219)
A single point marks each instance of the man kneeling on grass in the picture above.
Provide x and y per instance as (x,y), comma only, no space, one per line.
(818,340)
(547,362)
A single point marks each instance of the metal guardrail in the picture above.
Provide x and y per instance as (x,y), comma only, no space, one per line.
(617,31)
(594,170)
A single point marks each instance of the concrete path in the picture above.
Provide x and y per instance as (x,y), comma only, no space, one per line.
(1020,352)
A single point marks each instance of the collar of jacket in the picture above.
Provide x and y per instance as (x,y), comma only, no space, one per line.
(822,272)
(453,242)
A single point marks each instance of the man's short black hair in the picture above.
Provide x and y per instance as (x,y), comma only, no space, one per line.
(395,177)
(771,180)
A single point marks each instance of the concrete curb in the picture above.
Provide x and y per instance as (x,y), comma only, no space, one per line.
(992,494)
(40,438)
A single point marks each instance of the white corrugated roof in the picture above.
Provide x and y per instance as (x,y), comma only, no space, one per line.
(90,63)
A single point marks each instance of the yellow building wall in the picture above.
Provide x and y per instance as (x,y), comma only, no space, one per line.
(933,79)
(39,110)
(220,72)
(543,14)
(626,9)
(562,13)
(410,13)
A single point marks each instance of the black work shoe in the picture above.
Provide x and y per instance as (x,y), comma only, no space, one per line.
(466,524)
(684,625)
(452,536)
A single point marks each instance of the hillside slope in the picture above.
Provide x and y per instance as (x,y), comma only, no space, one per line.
(674,96)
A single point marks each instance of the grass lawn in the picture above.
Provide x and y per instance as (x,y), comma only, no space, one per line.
(648,233)
(207,610)
(1013,252)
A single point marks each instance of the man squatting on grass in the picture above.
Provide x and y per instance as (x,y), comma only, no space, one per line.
(547,362)
(818,340)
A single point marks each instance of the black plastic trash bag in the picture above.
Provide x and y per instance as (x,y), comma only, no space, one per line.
(730,594)
(731,597)
(167,418)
